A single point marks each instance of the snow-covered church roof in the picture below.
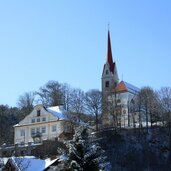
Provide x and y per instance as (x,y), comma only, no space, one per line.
(132,88)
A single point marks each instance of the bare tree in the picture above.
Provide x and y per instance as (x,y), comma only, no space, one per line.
(137,107)
(112,108)
(93,104)
(131,112)
(147,102)
(51,94)
(54,93)
(67,96)
(165,99)
(26,102)
(77,101)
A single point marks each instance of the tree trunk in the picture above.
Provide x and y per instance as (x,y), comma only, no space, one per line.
(97,122)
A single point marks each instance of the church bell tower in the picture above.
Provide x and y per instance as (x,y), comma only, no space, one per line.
(110,77)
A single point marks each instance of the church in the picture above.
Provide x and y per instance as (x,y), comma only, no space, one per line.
(118,96)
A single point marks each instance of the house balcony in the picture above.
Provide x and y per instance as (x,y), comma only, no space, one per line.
(36,134)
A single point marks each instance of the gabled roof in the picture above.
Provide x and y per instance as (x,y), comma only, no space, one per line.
(126,87)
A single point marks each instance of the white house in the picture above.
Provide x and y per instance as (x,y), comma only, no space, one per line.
(42,124)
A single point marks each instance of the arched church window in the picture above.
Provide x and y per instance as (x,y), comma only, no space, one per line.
(107,84)
(132,106)
(118,101)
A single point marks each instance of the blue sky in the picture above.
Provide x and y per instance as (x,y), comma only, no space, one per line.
(66,41)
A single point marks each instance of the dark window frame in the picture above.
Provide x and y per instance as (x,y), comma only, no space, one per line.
(38,112)
(107,84)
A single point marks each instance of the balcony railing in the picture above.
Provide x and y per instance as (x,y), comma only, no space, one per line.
(36,134)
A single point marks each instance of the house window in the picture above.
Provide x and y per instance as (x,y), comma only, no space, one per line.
(44,119)
(107,72)
(4,153)
(107,84)
(38,119)
(32,120)
(37,130)
(43,130)
(32,131)
(67,128)
(38,112)
(54,128)
(22,132)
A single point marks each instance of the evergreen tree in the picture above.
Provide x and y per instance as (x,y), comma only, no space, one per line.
(84,155)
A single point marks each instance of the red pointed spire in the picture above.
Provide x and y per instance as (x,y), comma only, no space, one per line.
(109,58)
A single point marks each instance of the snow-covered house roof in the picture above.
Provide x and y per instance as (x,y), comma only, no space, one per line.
(30,164)
(57,111)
